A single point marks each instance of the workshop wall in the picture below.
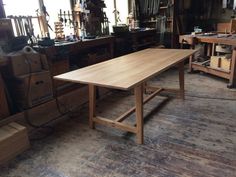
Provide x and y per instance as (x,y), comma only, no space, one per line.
(205,14)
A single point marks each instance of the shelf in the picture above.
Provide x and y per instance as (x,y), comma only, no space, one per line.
(207,69)
(164,7)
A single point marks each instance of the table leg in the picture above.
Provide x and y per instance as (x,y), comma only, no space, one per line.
(213,49)
(232,80)
(92,104)
(190,70)
(209,48)
(139,112)
(144,87)
(181,79)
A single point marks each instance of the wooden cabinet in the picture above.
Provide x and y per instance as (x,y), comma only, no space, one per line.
(143,39)
(164,22)
(131,41)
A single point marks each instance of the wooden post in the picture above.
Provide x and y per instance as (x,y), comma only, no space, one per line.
(191,41)
(232,79)
(191,57)
(213,49)
(139,112)
(115,12)
(209,47)
(92,104)
(181,79)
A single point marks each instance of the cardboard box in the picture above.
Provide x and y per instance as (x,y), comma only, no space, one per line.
(4,110)
(13,141)
(42,114)
(50,110)
(18,118)
(31,90)
(73,99)
(220,62)
(22,64)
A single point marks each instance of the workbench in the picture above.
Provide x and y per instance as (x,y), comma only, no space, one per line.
(128,72)
(76,48)
(212,40)
(64,56)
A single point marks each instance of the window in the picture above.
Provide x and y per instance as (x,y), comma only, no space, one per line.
(121,6)
(22,8)
(29,7)
(53,8)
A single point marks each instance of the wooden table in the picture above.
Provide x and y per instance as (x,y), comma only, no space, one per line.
(212,41)
(129,72)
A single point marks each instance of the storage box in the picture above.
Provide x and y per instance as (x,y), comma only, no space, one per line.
(13,141)
(18,118)
(220,62)
(42,114)
(21,64)
(4,111)
(31,90)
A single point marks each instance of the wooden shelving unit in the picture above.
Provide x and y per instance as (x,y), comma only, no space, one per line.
(167,10)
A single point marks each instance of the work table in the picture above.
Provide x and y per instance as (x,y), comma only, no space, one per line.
(217,38)
(212,41)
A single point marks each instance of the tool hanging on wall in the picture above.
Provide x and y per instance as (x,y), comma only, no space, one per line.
(66,18)
(24,26)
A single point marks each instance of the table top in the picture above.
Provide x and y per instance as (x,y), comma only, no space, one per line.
(221,39)
(127,71)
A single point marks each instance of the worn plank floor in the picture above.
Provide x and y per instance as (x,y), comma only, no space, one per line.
(195,137)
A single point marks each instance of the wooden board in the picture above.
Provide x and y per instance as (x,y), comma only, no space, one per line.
(127,71)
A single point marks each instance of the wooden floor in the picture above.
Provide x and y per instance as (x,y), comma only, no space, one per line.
(195,137)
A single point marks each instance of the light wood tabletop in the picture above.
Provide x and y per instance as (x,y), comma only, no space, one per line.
(127,71)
